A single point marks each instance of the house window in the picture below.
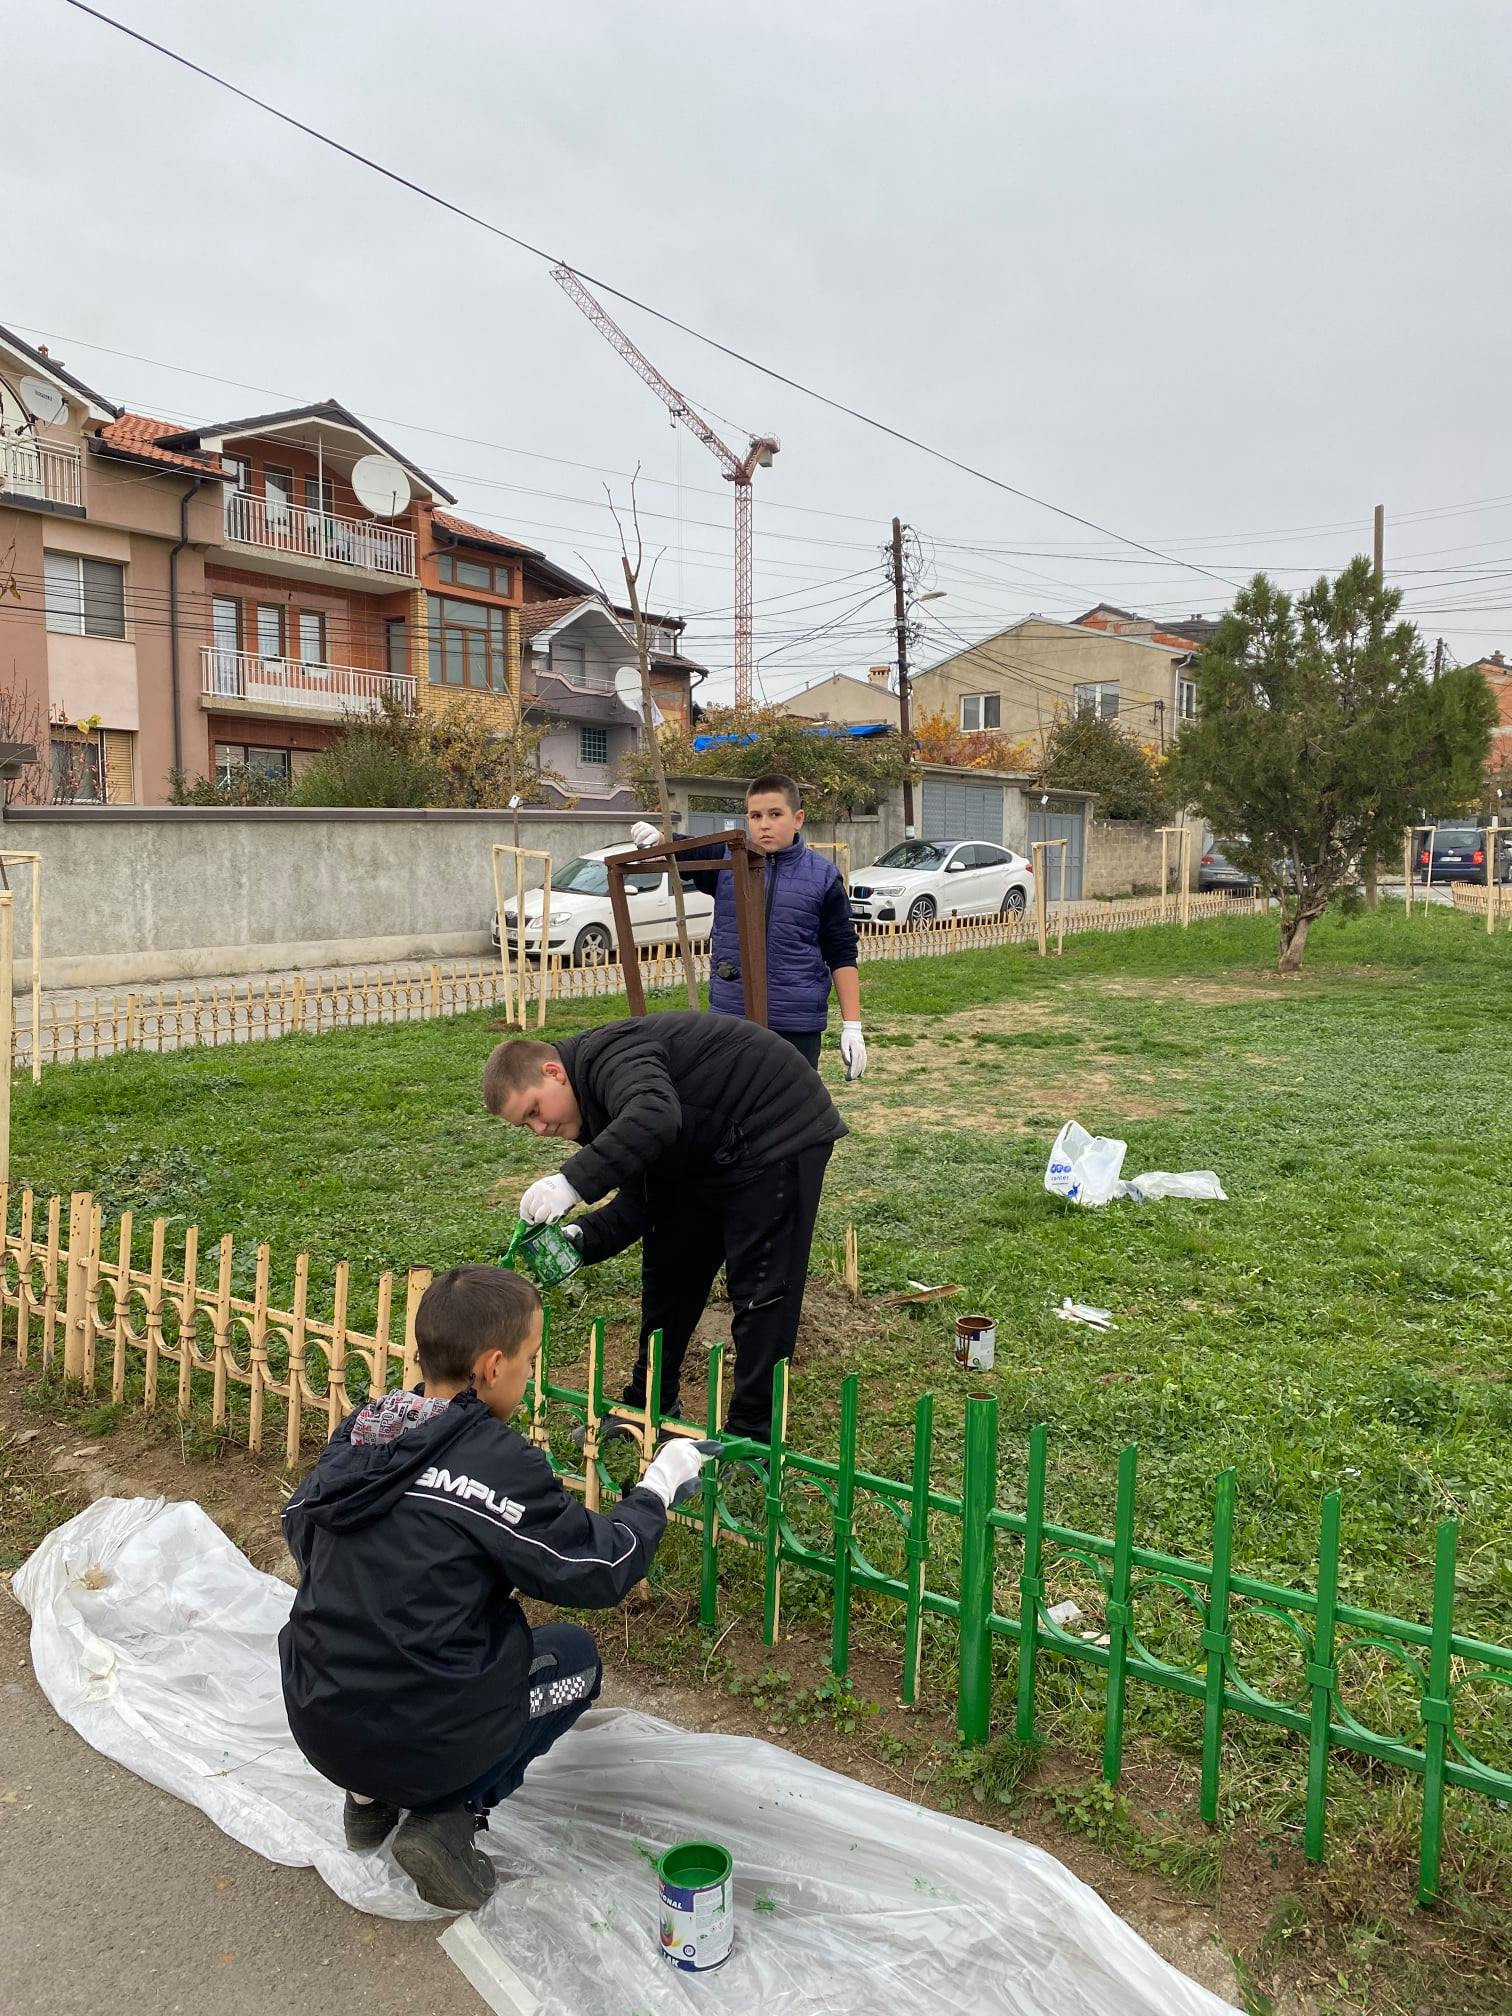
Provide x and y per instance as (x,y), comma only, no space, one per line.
(467,644)
(593,745)
(240,469)
(475,574)
(396,646)
(230,757)
(318,494)
(270,630)
(1098,700)
(981,710)
(278,493)
(78,767)
(84,598)
(1186,699)
(312,637)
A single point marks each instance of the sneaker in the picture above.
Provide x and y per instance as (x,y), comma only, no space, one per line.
(611,1429)
(436,1852)
(367,1823)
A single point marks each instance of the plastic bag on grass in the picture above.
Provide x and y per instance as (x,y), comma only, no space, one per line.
(1201,1185)
(156,1639)
(1084,1168)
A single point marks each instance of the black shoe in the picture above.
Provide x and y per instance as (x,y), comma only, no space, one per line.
(611,1429)
(436,1852)
(367,1824)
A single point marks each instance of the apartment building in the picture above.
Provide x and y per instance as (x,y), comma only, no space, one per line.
(198,600)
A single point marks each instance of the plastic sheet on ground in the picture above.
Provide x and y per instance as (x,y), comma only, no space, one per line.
(154,1637)
(1086,1169)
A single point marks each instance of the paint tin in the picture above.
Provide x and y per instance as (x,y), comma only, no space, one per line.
(696,1919)
(975,1343)
(544,1252)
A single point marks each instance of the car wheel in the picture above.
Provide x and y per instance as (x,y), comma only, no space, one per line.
(593,946)
(1013,904)
(921,911)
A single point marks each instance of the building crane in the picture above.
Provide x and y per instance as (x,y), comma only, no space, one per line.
(738,469)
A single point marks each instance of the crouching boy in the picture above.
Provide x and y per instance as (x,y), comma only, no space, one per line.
(410,1675)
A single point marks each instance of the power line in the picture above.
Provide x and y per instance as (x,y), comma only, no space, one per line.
(633,301)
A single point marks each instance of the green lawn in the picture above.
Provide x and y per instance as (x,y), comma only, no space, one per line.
(1343,1320)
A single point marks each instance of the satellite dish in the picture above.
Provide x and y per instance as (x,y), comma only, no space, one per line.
(627,687)
(380,485)
(44,402)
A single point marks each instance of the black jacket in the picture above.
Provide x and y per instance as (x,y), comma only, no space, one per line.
(406,1659)
(673,1104)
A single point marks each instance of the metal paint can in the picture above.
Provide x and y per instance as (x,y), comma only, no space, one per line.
(975,1343)
(696,1895)
(544,1252)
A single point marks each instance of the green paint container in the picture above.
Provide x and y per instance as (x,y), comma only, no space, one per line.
(696,1894)
(544,1252)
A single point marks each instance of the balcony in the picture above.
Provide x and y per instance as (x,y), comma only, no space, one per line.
(303,535)
(245,679)
(42,473)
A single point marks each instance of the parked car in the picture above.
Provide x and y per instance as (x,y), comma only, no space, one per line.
(581,926)
(1458,854)
(920,880)
(1216,872)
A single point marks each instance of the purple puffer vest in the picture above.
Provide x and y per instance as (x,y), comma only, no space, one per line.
(798,981)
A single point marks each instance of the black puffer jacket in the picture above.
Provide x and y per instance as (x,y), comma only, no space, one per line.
(677,1103)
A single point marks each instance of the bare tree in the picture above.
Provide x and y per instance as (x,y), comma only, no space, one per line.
(632,571)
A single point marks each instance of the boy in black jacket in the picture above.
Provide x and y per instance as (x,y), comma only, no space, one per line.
(410,1675)
(716,1134)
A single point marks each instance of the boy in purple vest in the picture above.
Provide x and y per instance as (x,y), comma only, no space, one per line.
(810,938)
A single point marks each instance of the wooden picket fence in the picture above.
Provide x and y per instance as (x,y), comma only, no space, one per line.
(256,1010)
(955,1555)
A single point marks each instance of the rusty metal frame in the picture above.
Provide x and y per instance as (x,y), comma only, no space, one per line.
(748,867)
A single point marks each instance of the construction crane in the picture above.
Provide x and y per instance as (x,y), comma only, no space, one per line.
(738,469)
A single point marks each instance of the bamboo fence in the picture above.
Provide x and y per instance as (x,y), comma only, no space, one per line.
(255,1010)
(962,1571)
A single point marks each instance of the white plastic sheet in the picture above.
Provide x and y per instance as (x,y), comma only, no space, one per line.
(154,1637)
(1086,1169)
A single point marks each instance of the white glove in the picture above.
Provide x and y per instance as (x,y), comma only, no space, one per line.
(574,1233)
(852,1049)
(673,1475)
(644,834)
(544,1202)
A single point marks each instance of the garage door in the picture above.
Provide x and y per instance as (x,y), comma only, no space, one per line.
(1061,820)
(962,809)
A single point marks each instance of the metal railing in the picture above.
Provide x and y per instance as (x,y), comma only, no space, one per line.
(937,1545)
(38,469)
(298,686)
(318,535)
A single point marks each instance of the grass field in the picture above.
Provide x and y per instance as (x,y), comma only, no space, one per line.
(1344,1321)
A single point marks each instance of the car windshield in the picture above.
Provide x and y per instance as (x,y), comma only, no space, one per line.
(912,854)
(1457,836)
(581,877)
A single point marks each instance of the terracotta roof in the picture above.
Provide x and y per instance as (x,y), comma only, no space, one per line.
(538,616)
(136,436)
(461,529)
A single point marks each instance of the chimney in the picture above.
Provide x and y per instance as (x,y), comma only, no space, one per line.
(879,675)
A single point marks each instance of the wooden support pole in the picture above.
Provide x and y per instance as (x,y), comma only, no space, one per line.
(7,1025)
(1491,833)
(852,1263)
(1407,849)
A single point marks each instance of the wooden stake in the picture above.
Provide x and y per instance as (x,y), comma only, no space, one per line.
(852,1263)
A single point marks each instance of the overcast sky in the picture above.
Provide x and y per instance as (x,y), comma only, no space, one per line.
(1219,278)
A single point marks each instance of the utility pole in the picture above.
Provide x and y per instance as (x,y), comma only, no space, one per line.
(900,614)
(1380,541)
(1438,658)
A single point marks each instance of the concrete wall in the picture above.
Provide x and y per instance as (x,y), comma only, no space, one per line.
(134,895)
(1123,858)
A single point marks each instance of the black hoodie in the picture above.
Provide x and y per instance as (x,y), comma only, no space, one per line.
(406,1659)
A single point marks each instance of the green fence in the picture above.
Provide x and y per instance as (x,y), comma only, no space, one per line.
(956,1555)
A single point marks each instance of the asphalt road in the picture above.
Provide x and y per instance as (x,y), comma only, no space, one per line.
(120,1899)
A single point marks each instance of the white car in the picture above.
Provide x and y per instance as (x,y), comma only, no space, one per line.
(920,880)
(581,926)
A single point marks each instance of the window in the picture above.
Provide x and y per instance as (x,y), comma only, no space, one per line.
(240,469)
(396,645)
(466,644)
(1101,701)
(981,710)
(318,494)
(78,767)
(312,637)
(1186,699)
(278,493)
(233,756)
(270,630)
(593,745)
(84,598)
(475,574)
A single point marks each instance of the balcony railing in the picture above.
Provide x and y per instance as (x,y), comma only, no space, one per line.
(38,469)
(318,535)
(298,688)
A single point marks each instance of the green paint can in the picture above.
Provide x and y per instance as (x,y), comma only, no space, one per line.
(696,1894)
(544,1252)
